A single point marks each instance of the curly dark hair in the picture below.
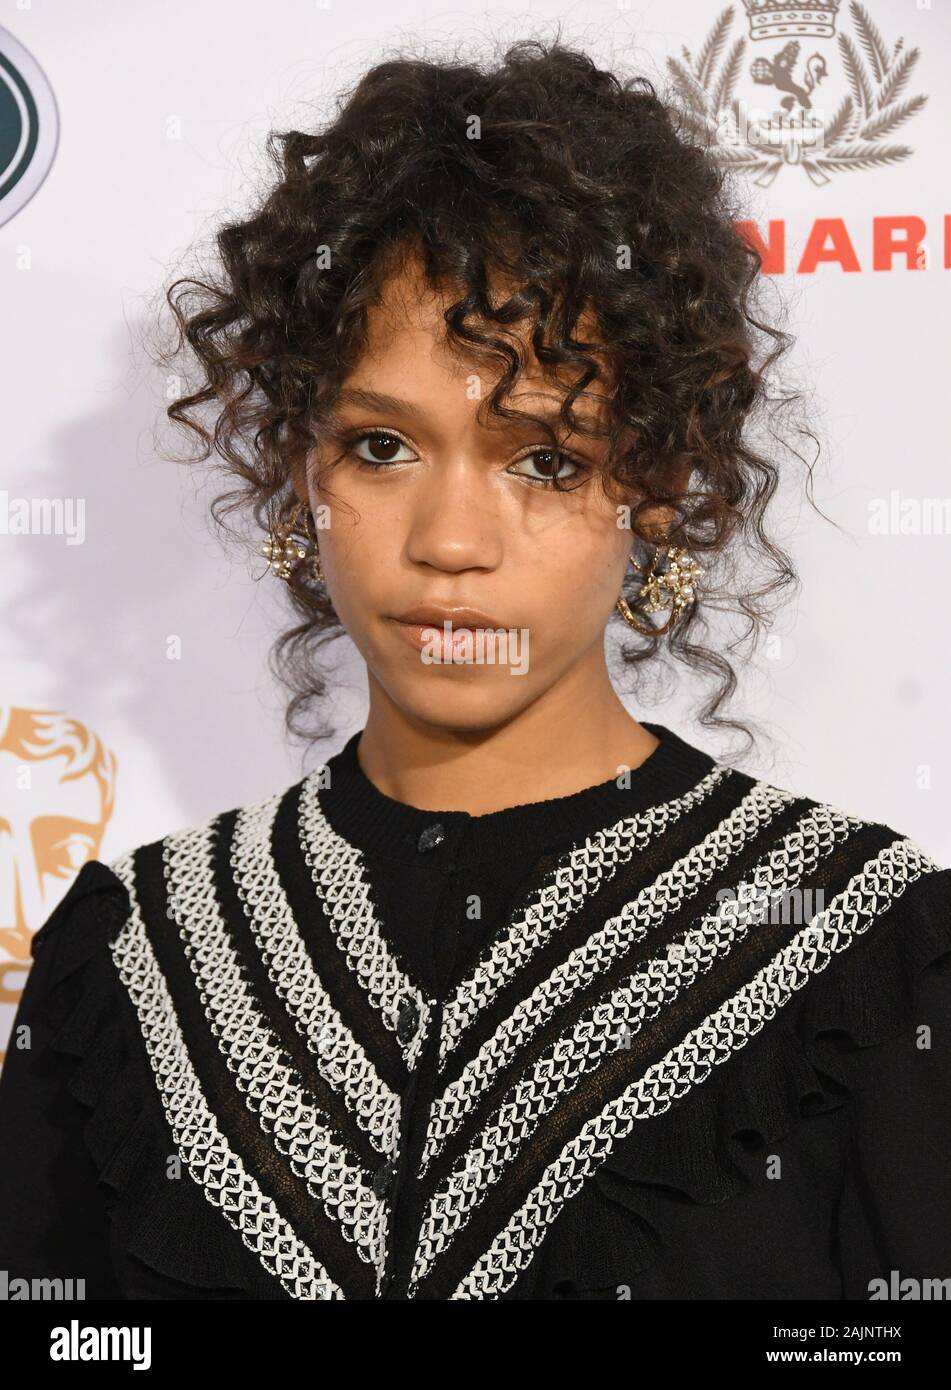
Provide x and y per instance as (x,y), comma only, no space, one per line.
(582,189)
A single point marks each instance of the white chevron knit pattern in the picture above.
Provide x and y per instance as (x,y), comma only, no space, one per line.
(341,1060)
(722,1033)
(581,871)
(585,1034)
(215,1167)
(262,1071)
(337,869)
(814,837)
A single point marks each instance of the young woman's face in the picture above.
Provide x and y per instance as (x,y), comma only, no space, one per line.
(432,507)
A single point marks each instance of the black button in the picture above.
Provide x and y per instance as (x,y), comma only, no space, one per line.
(383,1178)
(432,836)
(407,1021)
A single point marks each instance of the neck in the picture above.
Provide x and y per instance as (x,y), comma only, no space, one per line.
(577,735)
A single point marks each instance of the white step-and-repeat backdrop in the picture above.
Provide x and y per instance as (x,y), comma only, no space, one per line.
(136,697)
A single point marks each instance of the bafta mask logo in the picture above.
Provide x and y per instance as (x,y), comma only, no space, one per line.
(57,788)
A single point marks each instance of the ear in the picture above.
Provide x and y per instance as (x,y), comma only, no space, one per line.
(299,481)
(658,520)
(655,522)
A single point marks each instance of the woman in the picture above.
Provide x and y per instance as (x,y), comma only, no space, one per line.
(516,997)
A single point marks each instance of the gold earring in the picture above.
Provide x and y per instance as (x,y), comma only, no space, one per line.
(284,553)
(678,580)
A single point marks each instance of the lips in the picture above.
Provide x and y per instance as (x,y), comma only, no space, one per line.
(424,627)
(428,615)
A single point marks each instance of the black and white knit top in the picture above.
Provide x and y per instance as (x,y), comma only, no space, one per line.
(684,1037)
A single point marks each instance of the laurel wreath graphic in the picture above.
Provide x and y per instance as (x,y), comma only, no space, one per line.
(848,140)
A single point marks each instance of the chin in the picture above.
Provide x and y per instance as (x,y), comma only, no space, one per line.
(465,706)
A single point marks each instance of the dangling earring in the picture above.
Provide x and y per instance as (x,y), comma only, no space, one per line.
(284,553)
(678,580)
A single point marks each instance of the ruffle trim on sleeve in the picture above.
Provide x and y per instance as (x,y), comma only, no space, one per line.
(700,1149)
(94,1031)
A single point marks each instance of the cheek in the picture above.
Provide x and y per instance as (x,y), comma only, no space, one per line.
(572,600)
(364,574)
(356,559)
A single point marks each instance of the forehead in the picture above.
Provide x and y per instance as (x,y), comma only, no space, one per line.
(409,319)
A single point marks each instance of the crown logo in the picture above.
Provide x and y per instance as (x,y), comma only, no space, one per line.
(775,19)
(788,127)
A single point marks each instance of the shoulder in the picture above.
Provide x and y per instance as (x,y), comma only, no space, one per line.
(110,895)
(95,903)
(837,879)
(194,857)
(789,823)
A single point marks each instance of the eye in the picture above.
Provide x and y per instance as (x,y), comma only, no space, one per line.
(68,855)
(383,446)
(553,460)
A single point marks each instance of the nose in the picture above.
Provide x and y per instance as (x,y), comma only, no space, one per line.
(454,519)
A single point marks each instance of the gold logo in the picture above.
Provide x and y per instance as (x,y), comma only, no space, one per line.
(57,786)
(795,127)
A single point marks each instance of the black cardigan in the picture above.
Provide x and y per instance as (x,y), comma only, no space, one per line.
(688,1036)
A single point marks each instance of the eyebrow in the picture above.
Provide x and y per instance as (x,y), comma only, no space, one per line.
(377,400)
(373,400)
